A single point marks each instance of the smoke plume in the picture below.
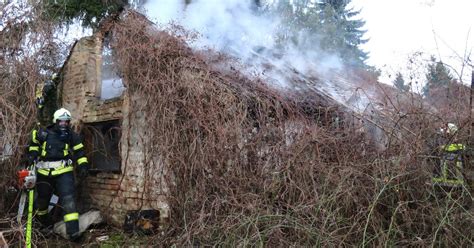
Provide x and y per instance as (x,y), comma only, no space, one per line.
(236,27)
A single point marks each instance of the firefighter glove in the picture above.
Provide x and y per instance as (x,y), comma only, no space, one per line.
(30,162)
(40,102)
(82,171)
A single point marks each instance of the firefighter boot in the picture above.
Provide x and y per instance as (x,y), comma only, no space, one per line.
(71,217)
(42,213)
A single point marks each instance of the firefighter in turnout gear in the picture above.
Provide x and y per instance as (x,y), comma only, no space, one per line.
(450,171)
(55,150)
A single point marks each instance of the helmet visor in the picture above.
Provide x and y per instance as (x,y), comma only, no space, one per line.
(64,117)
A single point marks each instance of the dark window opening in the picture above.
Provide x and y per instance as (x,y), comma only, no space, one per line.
(102,141)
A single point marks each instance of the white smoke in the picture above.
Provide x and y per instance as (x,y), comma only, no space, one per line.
(235,27)
(229,26)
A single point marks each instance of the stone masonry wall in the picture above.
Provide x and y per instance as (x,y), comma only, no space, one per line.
(135,188)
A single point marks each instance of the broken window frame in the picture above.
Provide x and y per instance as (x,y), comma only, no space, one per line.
(102,142)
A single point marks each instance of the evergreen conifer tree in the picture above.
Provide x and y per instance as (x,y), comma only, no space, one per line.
(438,75)
(341,33)
(336,31)
(399,82)
(90,12)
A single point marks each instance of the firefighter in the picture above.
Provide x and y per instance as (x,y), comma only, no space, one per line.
(449,172)
(55,149)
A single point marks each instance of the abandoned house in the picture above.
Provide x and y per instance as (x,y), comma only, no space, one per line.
(93,91)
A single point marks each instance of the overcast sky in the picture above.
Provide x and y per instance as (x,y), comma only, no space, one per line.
(398,28)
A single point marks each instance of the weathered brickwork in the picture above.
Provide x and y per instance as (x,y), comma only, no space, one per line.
(113,194)
(97,111)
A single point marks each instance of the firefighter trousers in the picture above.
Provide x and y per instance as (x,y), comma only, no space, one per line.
(64,186)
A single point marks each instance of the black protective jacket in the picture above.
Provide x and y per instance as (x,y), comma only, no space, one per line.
(53,144)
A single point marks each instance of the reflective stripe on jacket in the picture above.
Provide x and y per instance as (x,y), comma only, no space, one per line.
(451,166)
(49,145)
(453,147)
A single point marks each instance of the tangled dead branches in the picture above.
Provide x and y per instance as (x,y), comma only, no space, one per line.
(29,53)
(249,165)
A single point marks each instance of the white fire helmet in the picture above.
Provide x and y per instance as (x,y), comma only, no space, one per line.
(452,128)
(62,114)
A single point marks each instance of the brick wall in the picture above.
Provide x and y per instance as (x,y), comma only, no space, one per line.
(81,76)
(137,187)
